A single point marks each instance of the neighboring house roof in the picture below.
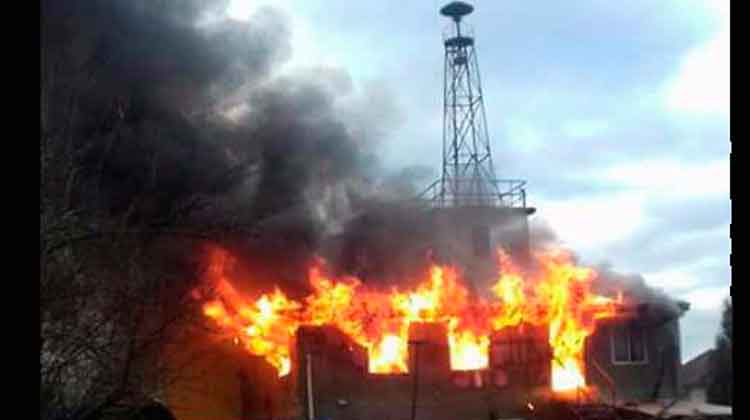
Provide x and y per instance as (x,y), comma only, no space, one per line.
(695,372)
(684,409)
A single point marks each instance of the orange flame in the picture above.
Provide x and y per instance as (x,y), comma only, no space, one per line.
(556,295)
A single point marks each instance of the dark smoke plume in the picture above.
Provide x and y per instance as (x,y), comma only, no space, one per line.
(173,110)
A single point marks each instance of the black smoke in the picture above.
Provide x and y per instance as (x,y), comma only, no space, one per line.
(176,115)
(132,90)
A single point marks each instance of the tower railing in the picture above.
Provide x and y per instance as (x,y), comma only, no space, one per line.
(508,193)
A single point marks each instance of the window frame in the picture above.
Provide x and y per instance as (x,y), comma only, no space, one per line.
(628,334)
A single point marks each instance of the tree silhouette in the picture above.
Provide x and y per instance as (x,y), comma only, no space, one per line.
(720,387)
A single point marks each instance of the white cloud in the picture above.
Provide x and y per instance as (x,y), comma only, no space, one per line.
(707,298)
(524,134)
(241,9)
(589,224)
(672,280)
(702,83)
(686,277)
(584,128)
(593,225)
(668,177)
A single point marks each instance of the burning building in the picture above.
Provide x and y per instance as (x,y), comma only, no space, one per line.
(349,350)
(486,324)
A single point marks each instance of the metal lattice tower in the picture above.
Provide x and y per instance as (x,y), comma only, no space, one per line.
(468,175)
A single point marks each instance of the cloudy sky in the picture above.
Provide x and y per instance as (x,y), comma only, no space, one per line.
(617,114)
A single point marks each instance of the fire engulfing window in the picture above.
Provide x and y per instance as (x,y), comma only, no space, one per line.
(628,344)
(481,238)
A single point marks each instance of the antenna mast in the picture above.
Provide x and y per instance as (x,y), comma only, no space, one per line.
(468,175)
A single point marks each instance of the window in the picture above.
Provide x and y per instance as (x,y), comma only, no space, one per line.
(628,344)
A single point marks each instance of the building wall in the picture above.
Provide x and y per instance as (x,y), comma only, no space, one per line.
(636,381)
(228,383)
(220,380)
(343,389)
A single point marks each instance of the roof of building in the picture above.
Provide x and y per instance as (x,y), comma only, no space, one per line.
(683,409)
(695,372)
